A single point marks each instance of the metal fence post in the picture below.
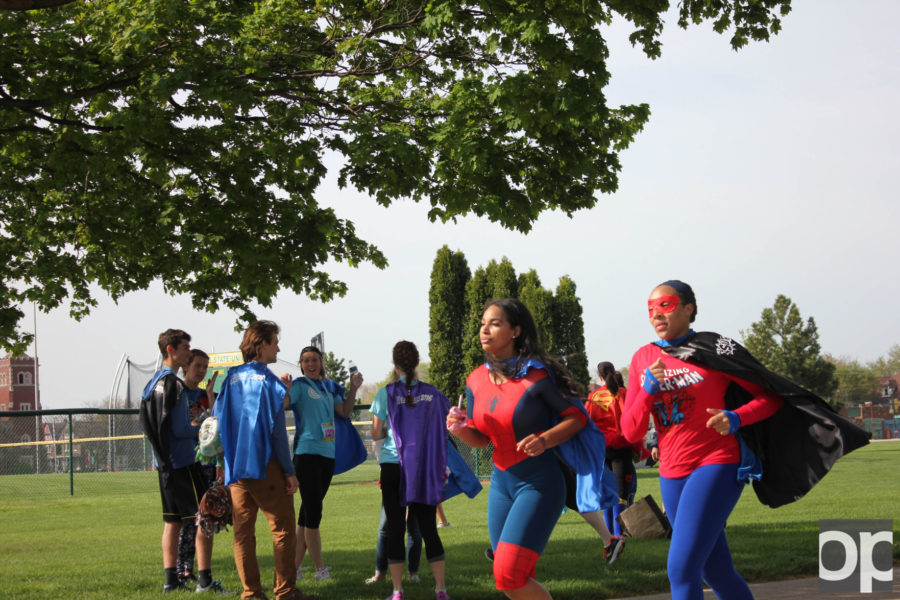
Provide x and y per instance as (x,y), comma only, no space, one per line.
(71,460)
(37,448)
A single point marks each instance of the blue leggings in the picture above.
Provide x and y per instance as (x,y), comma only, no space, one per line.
(699,551)
(525,501)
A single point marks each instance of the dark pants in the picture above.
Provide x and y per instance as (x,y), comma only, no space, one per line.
(396,518)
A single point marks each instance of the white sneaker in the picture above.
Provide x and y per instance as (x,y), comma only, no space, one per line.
(375,578)
(414,578)
(322,574)
(299,572)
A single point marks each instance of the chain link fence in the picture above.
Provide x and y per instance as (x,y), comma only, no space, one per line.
(85,451)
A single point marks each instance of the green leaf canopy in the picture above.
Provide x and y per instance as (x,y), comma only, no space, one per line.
(184,140)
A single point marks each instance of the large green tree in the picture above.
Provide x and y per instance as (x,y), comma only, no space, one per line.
(184,141)
(568,333)
(446,322)
(477,294)
(790,347)
(541,304)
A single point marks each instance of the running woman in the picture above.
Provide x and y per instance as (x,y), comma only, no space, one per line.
(702,389)
(523,401)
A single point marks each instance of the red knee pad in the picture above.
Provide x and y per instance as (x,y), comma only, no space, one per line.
(513,566)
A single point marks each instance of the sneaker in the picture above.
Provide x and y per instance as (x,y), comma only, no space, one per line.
(375,578)
(447,524)
(441,595)
(414,578)
(299,572)
(178,587)
(322,574)
(613,549)
(215,587)
(396,596)
(489,554)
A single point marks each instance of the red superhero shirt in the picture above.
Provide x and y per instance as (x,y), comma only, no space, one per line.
(679,412)
(606,412)
(514,409)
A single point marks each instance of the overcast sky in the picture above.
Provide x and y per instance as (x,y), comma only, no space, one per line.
(768,171)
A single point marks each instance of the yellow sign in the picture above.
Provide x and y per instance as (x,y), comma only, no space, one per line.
(226,359)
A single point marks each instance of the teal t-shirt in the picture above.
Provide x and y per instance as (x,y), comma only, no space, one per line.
(313,408)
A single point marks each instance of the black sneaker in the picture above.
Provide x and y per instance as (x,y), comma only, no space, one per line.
(214,587)
(613,549)
(489,554)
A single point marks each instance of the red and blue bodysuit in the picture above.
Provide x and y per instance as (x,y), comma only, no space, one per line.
(697,464)
(527,494)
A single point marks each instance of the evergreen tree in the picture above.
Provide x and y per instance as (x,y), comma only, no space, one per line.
(335,369)
(540,302)
(568,333)
(447,320)
(502,281)
(782,342)
(477,294)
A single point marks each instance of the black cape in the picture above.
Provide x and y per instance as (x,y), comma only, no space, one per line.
(159,399)
(797,445)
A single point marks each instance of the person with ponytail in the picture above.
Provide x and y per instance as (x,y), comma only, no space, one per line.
(410,415)
(722,419)
(604,406)
(525,402)
(315,401)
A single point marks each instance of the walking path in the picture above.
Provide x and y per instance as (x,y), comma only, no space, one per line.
(794,589)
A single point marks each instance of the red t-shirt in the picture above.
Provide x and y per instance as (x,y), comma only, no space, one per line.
(679,412)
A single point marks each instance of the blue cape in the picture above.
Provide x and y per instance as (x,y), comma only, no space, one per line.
(250,399)
(461,479)
(585,453)
(349,450)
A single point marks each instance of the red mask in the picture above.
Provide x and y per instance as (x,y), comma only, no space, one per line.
(663,304)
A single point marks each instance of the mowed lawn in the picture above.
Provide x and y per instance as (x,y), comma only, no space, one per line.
(104,541)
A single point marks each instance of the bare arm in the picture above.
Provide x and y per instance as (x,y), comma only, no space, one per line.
(378,429)
(534,444)
(345,408)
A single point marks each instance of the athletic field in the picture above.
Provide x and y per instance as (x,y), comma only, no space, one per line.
(105,545)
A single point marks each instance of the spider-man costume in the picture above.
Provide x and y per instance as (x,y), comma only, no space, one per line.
(527,493)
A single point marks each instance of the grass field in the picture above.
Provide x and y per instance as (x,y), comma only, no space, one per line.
(106,545)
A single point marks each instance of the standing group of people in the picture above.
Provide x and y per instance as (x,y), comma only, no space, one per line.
(722,420)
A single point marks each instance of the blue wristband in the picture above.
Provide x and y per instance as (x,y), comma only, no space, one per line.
(734,421)
(651,383)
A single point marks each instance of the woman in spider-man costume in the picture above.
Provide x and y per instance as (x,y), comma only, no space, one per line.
(520,400)
(722,419)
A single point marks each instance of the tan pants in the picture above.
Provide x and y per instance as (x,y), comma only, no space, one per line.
(249,496)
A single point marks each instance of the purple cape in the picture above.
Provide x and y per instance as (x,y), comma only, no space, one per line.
(420,434)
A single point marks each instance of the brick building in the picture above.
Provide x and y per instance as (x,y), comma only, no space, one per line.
(17,387)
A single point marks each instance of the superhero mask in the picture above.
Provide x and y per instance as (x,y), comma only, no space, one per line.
(663,304)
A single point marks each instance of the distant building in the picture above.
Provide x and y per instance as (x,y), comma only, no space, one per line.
(17,389)
(881,415)
(890,395)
